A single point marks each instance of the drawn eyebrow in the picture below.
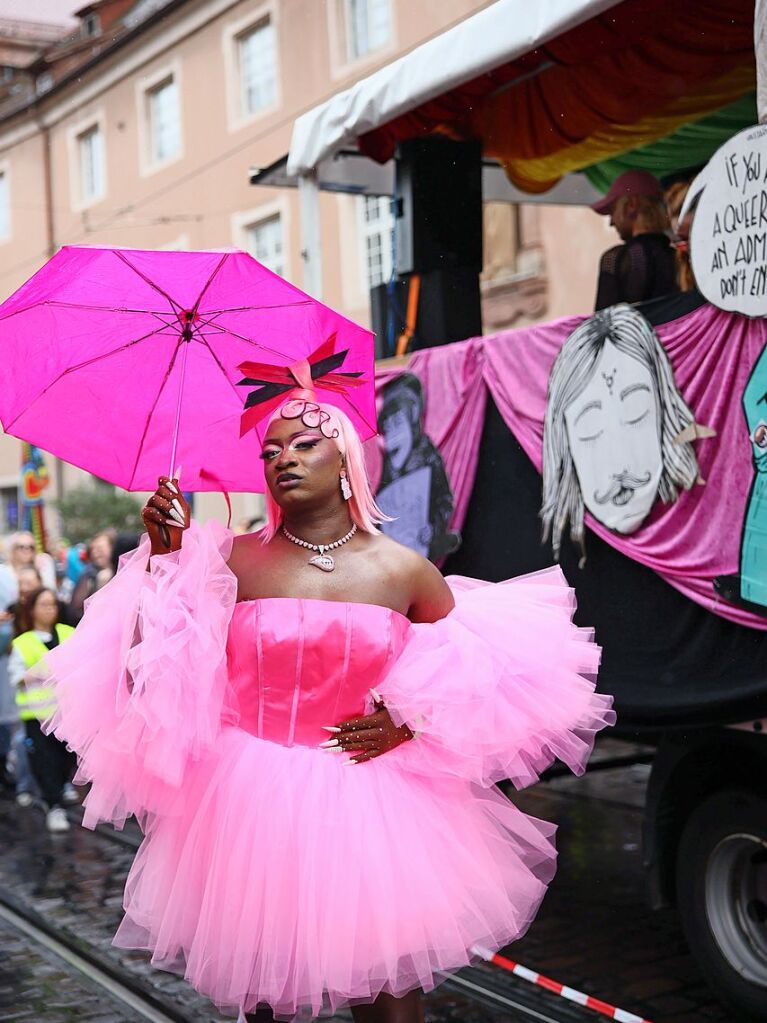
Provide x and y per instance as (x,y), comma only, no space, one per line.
(634,387)
(588,408)
(298,433)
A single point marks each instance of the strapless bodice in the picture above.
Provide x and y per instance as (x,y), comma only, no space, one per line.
(296,665)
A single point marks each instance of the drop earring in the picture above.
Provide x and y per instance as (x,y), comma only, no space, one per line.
(346,489)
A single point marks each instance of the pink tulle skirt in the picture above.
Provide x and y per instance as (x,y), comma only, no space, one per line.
(336,882)
(272,871)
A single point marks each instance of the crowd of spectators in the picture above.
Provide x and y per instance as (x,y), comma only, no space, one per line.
(42,595)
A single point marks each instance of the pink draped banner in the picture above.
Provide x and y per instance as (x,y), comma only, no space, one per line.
(712,352)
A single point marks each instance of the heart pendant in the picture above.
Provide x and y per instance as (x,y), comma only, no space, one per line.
(323,561)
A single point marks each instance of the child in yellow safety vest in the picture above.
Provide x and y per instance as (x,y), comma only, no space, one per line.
(52,763)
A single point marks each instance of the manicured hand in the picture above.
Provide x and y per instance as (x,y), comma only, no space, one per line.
(369,736)
(166,516)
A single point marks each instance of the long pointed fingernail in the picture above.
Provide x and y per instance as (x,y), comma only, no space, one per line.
(331,728)
(376,696)
(174,523)
(172,487)
(177,475)
(177,505)
(347,762)
(330,743)
(179,518)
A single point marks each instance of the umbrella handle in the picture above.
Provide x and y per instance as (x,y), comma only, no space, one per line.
(174,443)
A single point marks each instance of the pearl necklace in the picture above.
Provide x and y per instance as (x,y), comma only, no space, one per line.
(321,560)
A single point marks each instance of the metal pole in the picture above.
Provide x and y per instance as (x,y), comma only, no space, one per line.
(51,246)
(311,235)
(185,342)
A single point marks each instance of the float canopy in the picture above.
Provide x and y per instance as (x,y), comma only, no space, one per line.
(543,85)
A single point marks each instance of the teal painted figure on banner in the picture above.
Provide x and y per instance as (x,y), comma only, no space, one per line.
(753,547)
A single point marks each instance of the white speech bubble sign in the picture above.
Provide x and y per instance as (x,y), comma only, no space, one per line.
(728,238)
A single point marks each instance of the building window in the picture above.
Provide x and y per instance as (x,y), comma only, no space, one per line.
(91,25)
(43,83)
(257,68)
(376,231)
(164,120)
(368,26)
(5,206)
(90,156)
(264,243)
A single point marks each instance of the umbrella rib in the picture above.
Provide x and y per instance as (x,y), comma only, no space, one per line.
(113,351)
(362,416)
(174,305)
(247,340)
(221,367)
(78,305)
(210,281)
(255,308)
(81,365)
(152,410)
(103,308)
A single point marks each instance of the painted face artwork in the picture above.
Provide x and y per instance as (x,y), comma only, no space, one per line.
(753,546)
(397,429)
(613,429)
(617,432)
(414,489)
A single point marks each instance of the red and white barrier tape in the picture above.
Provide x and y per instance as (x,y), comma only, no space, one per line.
(559,989)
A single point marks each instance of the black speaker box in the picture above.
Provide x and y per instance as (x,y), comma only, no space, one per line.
(438,188)
(449,307)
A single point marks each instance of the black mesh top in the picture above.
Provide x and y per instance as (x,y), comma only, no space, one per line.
(642,268)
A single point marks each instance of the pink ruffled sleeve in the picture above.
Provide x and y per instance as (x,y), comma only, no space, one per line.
(141,686)
(501,687)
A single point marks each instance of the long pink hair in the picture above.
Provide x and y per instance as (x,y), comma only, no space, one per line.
(362,506)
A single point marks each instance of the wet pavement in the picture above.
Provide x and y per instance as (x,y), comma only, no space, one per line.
(594,933)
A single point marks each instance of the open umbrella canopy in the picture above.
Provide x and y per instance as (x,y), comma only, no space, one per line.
(121,360)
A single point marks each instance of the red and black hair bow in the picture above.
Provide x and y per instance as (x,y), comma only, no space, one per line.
(273,383)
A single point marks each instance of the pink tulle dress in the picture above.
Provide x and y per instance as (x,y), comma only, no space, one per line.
(272,872)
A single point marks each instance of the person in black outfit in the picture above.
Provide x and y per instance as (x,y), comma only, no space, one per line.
(643,266)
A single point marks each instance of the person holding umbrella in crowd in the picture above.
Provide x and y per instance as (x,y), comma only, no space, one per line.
(307,722)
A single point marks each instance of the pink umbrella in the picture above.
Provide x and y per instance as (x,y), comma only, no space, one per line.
(128,362)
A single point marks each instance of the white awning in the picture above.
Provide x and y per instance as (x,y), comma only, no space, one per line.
(500,33)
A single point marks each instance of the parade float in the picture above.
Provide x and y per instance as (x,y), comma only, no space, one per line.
(632,445)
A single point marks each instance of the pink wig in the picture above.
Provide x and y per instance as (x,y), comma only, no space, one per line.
(362,506)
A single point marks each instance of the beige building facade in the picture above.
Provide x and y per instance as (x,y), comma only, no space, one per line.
(143,124)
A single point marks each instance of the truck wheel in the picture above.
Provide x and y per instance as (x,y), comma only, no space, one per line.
(721,876)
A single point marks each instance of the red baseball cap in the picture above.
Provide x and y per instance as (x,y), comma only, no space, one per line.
(633,182)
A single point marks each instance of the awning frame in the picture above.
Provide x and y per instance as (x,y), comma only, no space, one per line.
(497,34)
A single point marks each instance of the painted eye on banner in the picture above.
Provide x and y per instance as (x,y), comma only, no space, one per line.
(759,436)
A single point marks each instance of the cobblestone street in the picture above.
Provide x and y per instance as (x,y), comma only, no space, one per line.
(594,933)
